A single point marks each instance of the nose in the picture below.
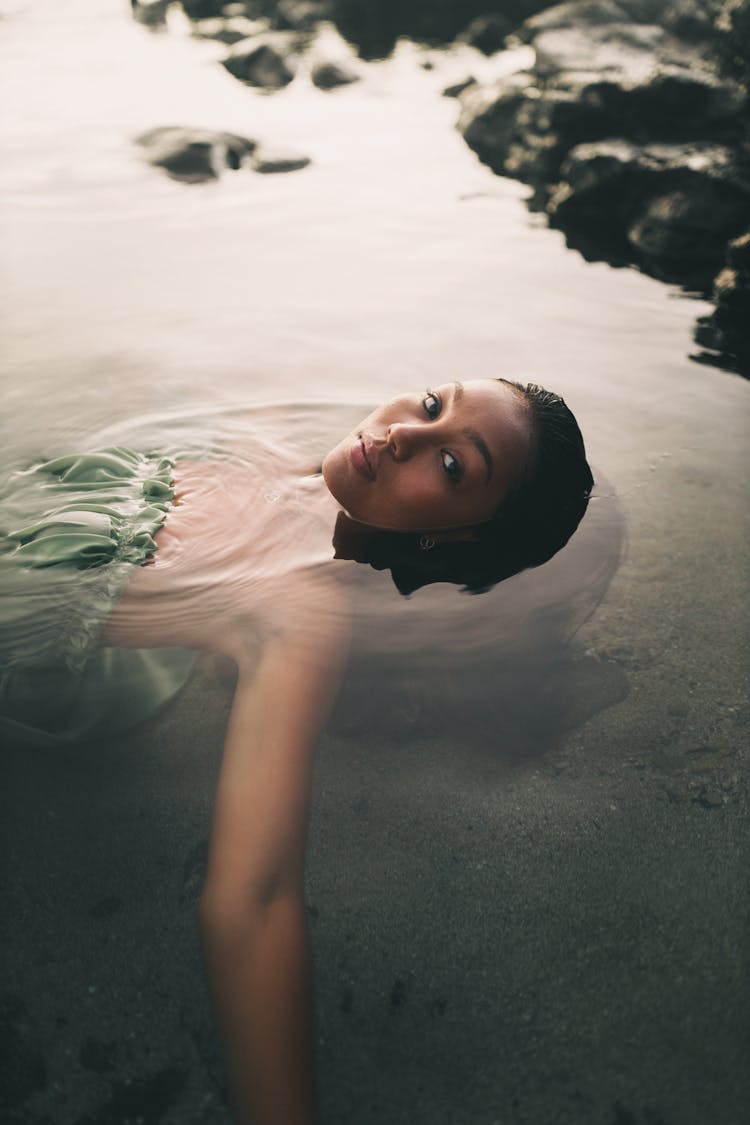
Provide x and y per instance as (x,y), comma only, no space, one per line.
(403,439)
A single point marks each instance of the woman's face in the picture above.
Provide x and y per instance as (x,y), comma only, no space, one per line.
(433,460)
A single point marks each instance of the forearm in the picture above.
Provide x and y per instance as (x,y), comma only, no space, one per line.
(260,971)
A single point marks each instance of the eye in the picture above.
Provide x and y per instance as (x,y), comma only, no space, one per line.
(451,466)
(432,404)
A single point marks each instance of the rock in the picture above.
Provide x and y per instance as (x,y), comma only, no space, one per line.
(669,208)
(738,256)
(733,26)
(624,51)
(727,329)
(629,87)
(692,19)
(270,64)
(634,139)
(596,14)
(327,74)
(272,161)
(229,31)
(194,155)
(458,88)
(522,131)
(151,13)
(487,33)
(680,234)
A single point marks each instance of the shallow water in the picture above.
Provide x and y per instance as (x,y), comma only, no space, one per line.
(137,308)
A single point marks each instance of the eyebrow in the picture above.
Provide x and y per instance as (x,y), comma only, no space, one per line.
(476,439)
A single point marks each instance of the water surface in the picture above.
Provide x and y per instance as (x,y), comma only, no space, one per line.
(526,879)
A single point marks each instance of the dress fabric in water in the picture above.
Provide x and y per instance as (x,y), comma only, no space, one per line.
(73,529)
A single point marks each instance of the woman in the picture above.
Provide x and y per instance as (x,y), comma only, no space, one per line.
(465,483)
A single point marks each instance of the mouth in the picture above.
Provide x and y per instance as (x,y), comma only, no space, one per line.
(360,460)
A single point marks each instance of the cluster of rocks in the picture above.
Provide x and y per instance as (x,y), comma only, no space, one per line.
(270,61)
(266,44)
(267,41)
(632,128)
(195,156)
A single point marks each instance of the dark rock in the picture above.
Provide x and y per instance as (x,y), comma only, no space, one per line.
(491,117)
(738,256)
(194,155)
(270,64)
(488,32)
(271,161)
(669,208)
(635,141)
(629,81)
(692,19)
(328,74)
(733,26)
(151,13)
(589,13)
(681,232)
(458,88)
(624,50)
(727,329)
(524,131)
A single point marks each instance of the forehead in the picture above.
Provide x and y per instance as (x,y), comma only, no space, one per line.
(498,416)
(503,410)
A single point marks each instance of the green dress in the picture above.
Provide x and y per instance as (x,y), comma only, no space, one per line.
(71,532)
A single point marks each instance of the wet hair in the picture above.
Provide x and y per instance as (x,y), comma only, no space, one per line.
(535,520)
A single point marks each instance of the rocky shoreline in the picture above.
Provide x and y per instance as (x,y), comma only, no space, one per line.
(631,125)
(632,128)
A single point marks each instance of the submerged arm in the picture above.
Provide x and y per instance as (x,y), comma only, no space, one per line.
(252,908)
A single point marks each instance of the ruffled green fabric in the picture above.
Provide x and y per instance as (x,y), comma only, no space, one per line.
(102,506)
(72,530)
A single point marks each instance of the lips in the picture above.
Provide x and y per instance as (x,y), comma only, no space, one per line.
(360,460)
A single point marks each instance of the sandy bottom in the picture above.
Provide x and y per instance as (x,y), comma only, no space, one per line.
(561,941)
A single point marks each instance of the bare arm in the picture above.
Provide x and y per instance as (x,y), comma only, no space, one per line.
(252,909)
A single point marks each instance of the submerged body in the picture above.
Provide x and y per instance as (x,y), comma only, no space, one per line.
(248,563)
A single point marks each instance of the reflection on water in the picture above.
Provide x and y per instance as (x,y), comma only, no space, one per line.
(492,674)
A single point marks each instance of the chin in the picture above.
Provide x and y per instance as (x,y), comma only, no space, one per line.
(334,472)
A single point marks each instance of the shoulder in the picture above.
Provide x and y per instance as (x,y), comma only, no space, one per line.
(305,616)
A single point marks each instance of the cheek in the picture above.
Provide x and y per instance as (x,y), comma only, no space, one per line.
(417,503)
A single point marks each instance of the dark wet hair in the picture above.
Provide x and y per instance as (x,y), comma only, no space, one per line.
(533,523)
